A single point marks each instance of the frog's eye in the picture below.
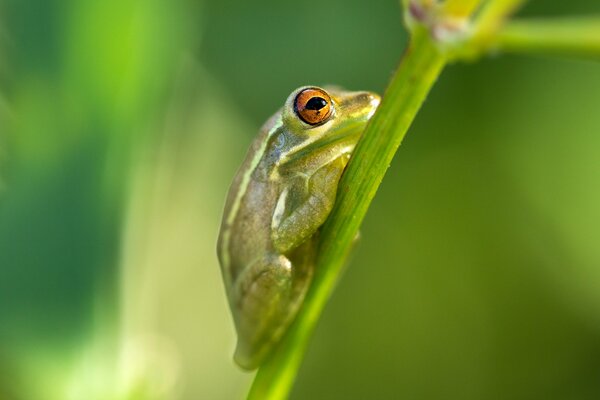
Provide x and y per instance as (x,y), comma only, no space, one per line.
(313,106)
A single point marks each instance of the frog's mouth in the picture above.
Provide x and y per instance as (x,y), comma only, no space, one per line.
(342,141)
(359,105)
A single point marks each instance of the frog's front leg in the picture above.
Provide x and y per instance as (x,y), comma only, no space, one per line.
(296,220)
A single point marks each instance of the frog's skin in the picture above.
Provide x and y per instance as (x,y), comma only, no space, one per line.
(281,195)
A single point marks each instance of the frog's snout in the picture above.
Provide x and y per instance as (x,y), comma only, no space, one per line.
(366,103)
(373,99)
(370,98)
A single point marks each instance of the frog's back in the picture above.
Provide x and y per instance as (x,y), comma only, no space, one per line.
(245,228)
(249,235)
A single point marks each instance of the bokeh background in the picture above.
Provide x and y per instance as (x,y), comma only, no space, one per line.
(122,123)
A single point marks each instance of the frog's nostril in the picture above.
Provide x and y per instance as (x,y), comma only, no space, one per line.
(371,99)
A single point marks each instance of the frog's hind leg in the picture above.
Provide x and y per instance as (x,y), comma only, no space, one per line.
(264,291)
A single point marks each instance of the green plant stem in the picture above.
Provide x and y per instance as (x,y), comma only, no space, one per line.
(491,17)
(420,67)
(565,36)
(493,14)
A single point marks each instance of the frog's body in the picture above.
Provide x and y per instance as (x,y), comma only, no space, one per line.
(283,192)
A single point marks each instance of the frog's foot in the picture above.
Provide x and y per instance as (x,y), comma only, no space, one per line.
(266,306)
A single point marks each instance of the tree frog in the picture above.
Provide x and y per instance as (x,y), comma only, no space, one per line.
(280,197)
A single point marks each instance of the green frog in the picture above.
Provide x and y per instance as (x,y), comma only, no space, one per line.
(280,197)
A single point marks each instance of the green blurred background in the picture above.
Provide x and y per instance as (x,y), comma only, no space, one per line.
(122,123)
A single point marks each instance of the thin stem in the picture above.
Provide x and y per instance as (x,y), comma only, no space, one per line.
(494,13)
(572,36)
(490,18)
(460,8)
(420,67)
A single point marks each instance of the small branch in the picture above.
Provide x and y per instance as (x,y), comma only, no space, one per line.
(489,20)
(420,67)
(494,13)
(572,36)
(459,8)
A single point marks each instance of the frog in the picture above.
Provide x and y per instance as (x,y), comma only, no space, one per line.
(278,201)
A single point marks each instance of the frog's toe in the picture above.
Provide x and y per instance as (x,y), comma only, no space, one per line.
(246,358)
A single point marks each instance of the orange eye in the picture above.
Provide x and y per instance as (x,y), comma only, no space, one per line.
(313,106)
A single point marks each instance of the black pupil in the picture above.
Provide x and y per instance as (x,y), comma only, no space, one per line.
(315,103)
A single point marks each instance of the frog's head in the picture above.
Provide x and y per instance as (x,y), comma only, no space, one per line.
(330,119)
